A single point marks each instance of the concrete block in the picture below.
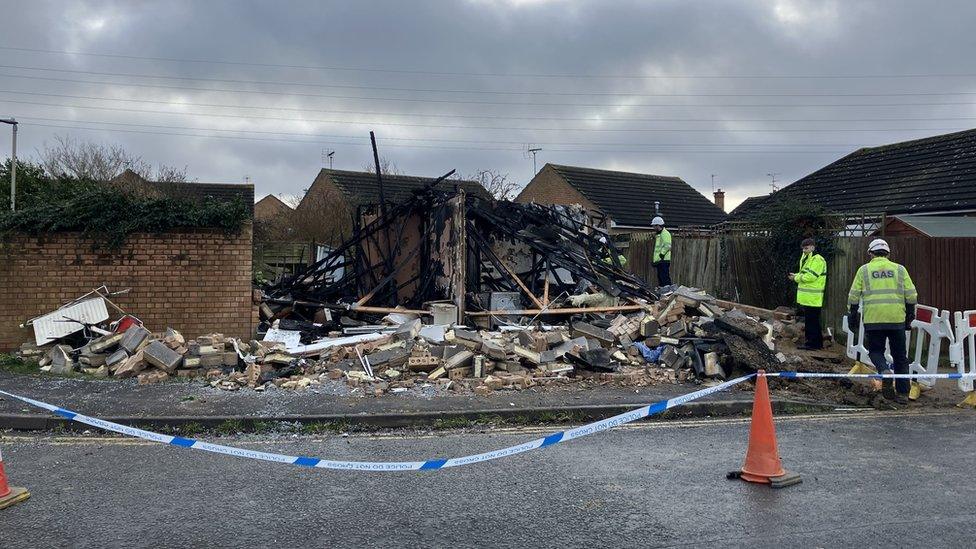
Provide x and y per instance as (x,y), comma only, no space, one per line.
(494,349)
(94,361)
(214,360)
(103,344)
(467,338)
(162,357)
(133,339)
(672,358)
(583,329)
(479,366)
(649,327)
(390,358)
(528,355)
(460,360)
(116,358)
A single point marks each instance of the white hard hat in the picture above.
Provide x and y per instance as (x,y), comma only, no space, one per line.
(603,239)
(658,220)
(878,244)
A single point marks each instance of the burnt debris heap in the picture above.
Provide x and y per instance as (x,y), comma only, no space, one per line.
(443,246)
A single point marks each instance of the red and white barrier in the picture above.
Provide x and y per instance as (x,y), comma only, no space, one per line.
(962,351)
(930,327)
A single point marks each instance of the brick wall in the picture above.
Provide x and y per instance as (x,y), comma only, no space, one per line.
(548,187)
(194,281)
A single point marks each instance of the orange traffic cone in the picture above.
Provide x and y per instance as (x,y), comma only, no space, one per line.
(10,495)
(762,463)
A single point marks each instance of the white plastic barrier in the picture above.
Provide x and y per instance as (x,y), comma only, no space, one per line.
(962,352)
(856,348)
(930,327)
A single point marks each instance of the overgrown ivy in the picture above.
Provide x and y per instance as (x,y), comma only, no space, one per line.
(787,223)
(108,215)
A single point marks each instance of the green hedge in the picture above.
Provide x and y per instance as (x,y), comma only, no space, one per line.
(109,215)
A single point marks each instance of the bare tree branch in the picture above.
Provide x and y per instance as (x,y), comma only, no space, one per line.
(497,184)
(87,160)
(387,167)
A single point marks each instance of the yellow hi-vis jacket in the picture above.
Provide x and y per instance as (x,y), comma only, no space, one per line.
(811,279)
(662,245)
(620,257)
(883,288)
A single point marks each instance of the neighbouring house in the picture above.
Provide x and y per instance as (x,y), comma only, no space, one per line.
(188,190)
(327,209)
(624,202)
(751,204)
(273,220)
(271,208)
(932,176)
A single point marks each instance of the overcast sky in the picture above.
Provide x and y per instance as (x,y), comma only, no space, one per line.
(672,87)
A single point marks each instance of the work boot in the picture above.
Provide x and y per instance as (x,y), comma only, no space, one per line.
(888,388)
(900,399)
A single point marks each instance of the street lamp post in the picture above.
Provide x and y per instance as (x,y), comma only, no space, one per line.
(13,163)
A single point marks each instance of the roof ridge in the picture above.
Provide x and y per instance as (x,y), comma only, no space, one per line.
(391,175)
(915,142)
(582,168)
(242,185)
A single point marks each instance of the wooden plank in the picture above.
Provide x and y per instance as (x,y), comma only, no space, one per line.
(567,311)
(765,314)
(387,310)
(515,277)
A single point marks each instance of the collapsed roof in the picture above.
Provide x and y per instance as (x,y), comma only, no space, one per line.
(447,245)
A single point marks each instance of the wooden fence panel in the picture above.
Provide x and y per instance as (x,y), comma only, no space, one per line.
(738,268)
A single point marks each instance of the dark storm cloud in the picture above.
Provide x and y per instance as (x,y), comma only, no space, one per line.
(483,43)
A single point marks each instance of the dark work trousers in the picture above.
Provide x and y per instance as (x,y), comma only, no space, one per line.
(663,273)
(876,340)
(811,319)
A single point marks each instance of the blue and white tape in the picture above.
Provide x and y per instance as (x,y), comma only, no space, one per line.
(385,466)
(435,464)
(794,375)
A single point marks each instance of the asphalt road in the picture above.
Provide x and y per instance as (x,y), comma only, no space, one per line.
(869,480)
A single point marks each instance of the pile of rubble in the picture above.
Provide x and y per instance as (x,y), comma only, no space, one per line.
(685,336)
(149,357)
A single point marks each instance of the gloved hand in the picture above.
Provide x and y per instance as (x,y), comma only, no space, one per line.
(909,316)
(854,319)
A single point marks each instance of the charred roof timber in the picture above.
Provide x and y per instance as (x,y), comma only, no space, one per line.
(448,245)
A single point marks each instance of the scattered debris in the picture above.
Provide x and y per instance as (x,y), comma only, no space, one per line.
(684,336)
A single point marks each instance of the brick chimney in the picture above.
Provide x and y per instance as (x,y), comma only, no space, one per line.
(720,199)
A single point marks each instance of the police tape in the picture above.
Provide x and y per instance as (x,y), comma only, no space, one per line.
(794,375)
(436,464)
(385,466)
